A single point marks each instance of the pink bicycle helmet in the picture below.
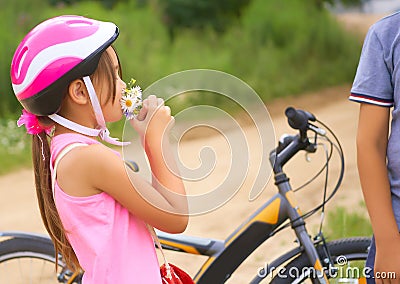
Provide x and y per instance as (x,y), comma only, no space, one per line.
(54,53)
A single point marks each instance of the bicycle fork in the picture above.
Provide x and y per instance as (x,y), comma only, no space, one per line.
(298,225)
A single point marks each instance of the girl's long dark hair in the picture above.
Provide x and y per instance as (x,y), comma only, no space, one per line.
(41,165)
(48,211)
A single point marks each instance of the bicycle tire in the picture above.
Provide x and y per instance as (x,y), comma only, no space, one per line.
(28,258)
(343,252)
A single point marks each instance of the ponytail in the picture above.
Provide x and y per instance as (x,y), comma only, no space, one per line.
(48,211)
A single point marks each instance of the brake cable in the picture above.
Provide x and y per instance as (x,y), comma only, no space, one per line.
(339,149)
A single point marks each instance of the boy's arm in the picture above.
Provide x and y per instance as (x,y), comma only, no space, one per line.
(372,140)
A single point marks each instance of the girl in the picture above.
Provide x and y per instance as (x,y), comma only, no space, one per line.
(66,72)
(377,86)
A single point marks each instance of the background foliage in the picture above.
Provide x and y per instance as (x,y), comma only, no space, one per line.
(279,48)
(345,224)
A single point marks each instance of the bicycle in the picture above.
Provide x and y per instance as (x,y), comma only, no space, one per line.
(30,258)
(313,259)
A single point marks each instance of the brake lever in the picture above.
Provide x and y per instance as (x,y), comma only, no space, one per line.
(312,147)
(316,129)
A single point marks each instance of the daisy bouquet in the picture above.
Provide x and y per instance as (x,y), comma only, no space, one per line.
(131,101)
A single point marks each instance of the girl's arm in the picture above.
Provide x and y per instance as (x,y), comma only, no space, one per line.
(163,204)
(153,125)
(166,212)
(372,139)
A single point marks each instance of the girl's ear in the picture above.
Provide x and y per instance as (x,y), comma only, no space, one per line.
(77,92)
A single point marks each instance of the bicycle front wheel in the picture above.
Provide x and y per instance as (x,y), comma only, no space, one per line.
(26,258)
(344,262)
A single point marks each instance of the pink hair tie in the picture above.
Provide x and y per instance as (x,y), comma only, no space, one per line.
(32,124)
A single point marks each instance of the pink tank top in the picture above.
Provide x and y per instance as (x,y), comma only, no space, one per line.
(112,245)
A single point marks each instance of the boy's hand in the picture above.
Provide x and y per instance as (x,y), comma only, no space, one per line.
(387,262)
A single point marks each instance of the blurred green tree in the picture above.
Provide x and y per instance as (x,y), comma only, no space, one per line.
(217,14)
(107,3)
(200,14)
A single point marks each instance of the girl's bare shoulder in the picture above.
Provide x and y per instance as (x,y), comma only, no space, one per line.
(89,167)
(94,156)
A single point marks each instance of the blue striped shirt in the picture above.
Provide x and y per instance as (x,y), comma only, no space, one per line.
(377,82)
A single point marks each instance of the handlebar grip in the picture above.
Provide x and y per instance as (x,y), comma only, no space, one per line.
(297,119)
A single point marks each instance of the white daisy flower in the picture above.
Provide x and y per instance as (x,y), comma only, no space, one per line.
(131,101)
(137,91)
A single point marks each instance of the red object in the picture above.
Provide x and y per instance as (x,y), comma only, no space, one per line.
(171,274)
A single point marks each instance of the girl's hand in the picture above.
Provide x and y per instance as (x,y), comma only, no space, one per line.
(153,121)
(387,262)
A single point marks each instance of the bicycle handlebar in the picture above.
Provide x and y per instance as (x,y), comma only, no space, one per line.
(298,119)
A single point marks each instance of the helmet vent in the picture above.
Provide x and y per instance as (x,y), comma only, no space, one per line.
(78,23)
(20,60)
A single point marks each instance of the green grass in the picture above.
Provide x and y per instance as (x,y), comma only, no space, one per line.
(14,161)
(15,146)
(341,223)
(344,224)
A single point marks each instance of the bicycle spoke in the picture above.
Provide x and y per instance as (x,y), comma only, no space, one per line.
(28,270)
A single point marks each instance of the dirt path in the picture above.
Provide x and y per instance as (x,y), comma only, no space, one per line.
(18,209)
(358,23)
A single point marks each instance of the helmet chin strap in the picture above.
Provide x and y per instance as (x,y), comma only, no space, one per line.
(102,131)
